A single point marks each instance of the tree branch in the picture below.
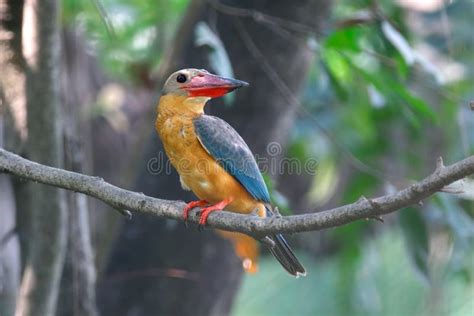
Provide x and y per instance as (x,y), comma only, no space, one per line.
(122,199)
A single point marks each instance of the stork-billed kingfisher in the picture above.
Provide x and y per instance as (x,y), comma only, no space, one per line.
(211,158)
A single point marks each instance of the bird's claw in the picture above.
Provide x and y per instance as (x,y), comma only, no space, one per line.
(277,211)
(204,214)
(205,211)
(189,206)
(255,212)
(200,227)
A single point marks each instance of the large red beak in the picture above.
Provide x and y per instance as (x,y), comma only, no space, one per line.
(212,86)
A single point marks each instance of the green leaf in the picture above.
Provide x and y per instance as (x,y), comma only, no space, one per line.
(339,89)
(416,240)
(393,90)
(418,105)
(411,117)
(336,63)
(345,39)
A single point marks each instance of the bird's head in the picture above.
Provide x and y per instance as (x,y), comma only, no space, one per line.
(200,83)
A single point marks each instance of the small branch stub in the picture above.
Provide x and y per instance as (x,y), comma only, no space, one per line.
(439,164)
(371,202)
(455,187)
(128,215)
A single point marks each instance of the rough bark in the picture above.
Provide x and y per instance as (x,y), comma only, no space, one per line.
(10,264)
(40,283)
(77,295)
(12,80)
(126,201)
(12,133)
(82,83)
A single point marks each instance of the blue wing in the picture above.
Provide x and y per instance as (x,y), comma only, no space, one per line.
(225,145)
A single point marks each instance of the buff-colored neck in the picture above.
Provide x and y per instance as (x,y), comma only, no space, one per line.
(178,105)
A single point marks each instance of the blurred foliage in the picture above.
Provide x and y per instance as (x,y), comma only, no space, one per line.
(389,94)
(416,238)
(137,33)
(384,284)
(390,102)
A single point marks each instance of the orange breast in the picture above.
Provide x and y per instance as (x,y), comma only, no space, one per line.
(198,170)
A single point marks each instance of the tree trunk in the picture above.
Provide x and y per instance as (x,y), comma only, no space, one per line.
(158,267)
(12,133)
(77,295)
(40,284)
(10,264)
(12,80)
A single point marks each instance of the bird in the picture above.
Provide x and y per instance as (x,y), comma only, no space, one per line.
(211,158)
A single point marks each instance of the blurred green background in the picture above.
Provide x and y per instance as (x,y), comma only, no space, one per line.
(385,96)
(385,91)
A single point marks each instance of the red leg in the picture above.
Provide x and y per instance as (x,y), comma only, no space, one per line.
(208,210)
(191,205)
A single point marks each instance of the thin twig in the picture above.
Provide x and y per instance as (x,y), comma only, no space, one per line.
(250,225)
(109,27)
(8,236)
(263,18)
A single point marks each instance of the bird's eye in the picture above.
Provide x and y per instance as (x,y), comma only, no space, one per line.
(181,78)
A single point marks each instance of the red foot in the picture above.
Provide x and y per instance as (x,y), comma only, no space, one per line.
(192,205)
(208,210)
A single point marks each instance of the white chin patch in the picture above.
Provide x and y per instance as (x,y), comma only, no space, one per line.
(199,100)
